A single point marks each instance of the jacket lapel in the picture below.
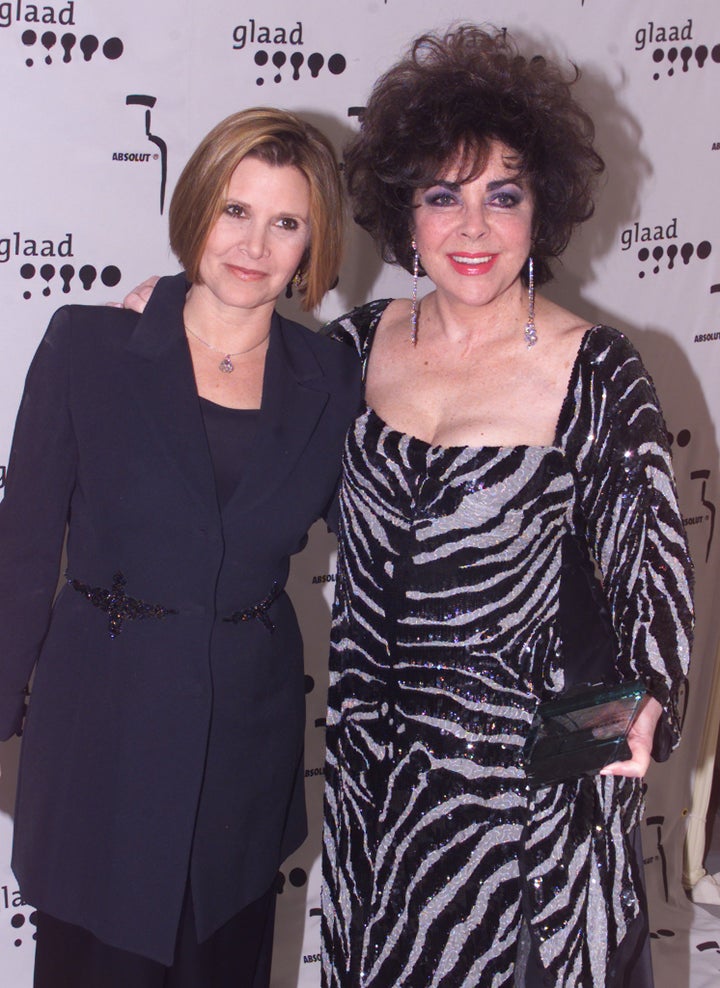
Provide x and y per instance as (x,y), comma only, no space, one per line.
(165,391)
(294,397)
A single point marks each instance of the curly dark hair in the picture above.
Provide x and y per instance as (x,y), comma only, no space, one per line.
(454,94)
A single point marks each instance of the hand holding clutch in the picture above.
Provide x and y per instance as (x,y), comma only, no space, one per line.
(640,741)
(585,730)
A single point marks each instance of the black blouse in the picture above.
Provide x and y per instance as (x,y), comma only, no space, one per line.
(230,432)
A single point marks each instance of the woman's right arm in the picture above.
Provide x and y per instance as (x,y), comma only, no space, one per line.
(33,515)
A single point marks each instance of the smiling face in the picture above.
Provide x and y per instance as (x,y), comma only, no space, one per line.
(258,241)
(474,238)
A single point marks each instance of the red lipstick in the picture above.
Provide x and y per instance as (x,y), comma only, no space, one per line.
(471,265)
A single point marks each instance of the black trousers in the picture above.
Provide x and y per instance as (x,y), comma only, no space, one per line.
(238,955)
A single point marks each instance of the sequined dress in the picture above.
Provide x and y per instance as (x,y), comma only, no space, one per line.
(447,630)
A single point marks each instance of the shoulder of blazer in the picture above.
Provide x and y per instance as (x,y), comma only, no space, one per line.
(98,327)
(314,356)
(79,333)
(109,329)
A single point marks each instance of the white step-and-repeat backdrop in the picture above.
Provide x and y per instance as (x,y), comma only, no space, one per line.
(102,103)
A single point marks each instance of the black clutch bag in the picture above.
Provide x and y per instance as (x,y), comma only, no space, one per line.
(581,731)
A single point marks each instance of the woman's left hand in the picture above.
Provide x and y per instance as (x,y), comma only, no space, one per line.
(640,740)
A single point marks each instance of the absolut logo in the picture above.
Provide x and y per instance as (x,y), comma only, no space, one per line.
(705,511)
(147,103)
(135,156)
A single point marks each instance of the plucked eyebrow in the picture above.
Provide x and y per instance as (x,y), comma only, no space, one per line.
(510,180)
(491,186)
(445,184)
(301,217)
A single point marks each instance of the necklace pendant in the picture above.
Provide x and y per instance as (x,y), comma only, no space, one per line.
(226,365)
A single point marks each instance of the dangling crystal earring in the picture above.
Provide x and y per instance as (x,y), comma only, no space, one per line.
(414,309)
(530,333)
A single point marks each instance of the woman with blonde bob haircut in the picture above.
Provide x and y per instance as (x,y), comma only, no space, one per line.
(280,139)
(188,450)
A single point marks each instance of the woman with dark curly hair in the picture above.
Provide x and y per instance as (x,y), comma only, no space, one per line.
(506,446)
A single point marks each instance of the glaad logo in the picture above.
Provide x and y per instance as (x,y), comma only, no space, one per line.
(666,255)
(148,102)
(89,44)
(278,63)
(297,877)
(11,901)
(15,247)
(689,56)
(19,13)
(109,276)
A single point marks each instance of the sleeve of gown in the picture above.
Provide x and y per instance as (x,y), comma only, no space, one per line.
(357,328)
(633,524)
(33,515)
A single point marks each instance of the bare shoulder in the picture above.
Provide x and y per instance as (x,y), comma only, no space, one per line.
(395,320)
(562,330)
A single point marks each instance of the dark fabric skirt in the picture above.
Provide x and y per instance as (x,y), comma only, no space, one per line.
(631,967)
(238,955)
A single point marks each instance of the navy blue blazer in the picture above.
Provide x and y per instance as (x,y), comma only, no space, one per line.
(121,788)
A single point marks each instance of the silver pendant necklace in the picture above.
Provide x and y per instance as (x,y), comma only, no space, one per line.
(226,365)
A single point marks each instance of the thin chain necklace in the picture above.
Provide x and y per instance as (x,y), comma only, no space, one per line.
(226,365)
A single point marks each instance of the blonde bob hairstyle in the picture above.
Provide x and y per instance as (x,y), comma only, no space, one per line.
(277,138)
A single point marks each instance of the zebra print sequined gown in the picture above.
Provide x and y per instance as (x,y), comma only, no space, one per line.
(447,629)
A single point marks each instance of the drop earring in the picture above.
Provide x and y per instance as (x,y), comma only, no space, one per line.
(414,309)
(530,332)
(294,283)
